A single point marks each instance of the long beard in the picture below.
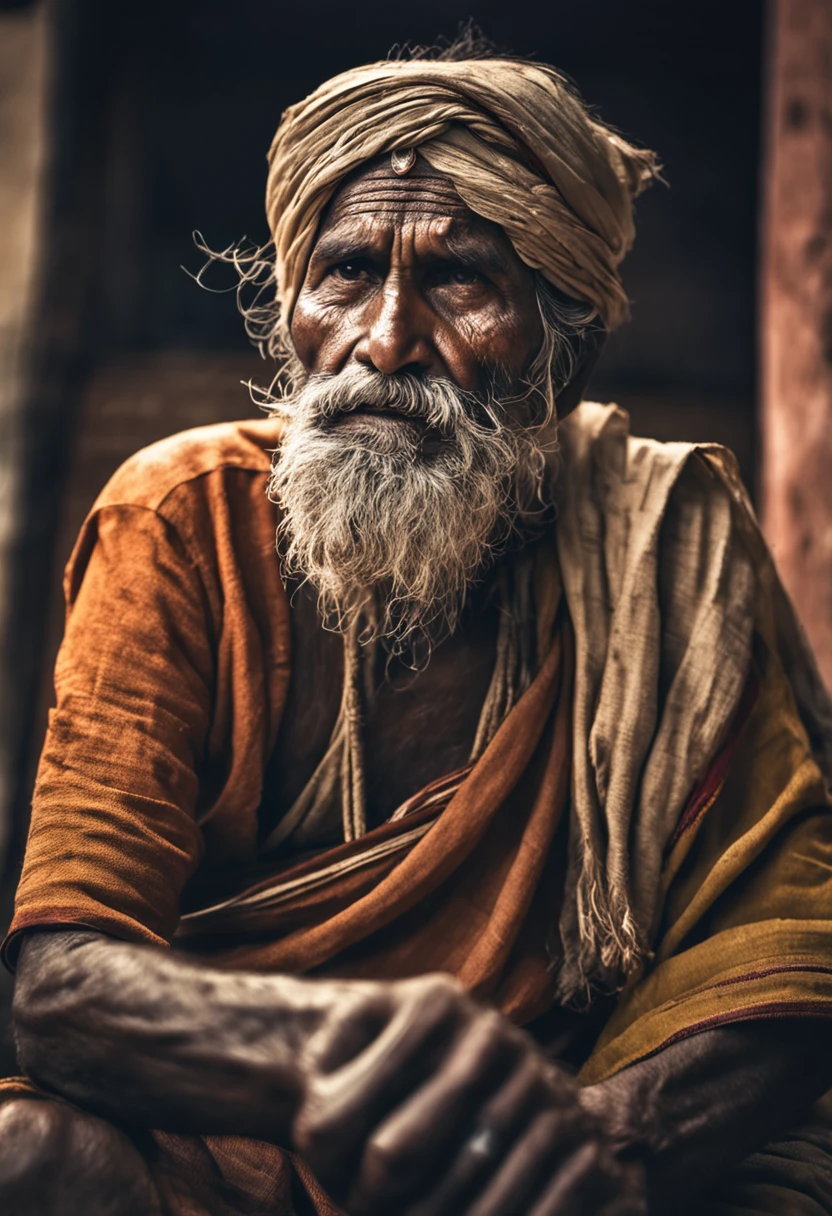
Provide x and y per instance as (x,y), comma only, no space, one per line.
(392,521)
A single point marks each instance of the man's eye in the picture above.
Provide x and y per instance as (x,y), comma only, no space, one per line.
(456,276)
(349,270)
(462,276)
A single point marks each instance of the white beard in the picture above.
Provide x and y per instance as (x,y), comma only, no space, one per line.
(395,520)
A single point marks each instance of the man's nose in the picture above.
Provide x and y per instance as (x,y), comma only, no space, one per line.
(399,331)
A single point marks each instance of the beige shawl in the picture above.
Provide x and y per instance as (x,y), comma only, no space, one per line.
(666,576)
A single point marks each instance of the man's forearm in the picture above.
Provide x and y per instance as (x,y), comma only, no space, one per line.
(142,1036)
(698,1107)
(139,1035)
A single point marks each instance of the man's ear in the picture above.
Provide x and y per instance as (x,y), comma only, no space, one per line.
(592,346)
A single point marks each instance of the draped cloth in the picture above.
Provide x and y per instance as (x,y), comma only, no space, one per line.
(172,682)
(518,144)
(668,582)
(452,884)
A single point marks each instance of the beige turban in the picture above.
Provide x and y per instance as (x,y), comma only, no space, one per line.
(520,147)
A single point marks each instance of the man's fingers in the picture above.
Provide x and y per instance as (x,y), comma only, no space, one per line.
(523,1172)
(407,1149)
(342,1107)
(360,1022)
(488,1139)
(529,1165)
(580,1185)
(443,1090)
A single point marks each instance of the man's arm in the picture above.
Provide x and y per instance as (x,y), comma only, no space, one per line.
(697,1108)
(145,1037)
(404,1094)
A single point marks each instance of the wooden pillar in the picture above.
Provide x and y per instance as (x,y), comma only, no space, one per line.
(796,321)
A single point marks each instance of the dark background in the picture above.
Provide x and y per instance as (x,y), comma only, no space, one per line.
(171,108)
(161,115)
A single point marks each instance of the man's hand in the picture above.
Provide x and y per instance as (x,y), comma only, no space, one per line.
(419,1101)
(56,1160)
(406,1090)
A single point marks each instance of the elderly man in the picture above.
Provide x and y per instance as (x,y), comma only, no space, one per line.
(471,853)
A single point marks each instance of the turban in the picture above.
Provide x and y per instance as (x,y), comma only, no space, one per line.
(519,146)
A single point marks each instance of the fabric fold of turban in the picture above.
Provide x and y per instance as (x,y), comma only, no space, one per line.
(520,147)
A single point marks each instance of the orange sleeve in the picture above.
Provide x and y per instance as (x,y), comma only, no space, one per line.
(113,836)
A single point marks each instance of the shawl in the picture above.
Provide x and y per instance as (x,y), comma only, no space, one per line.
(667,578)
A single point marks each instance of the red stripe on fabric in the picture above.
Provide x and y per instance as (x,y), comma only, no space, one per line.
(706,791)
(769,1010)
(760,975)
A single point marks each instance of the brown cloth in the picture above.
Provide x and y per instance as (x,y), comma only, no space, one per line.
(459,899)
(170,683)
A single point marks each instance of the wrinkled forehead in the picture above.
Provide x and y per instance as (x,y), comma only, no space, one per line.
(374,201)
(375,189)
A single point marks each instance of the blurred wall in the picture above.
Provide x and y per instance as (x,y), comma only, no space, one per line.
(797,313)
(22,140)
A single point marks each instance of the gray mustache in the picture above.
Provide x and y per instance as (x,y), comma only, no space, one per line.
(437,402)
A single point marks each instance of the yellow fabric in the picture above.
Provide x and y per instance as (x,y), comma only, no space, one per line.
(746,929)
(519,146)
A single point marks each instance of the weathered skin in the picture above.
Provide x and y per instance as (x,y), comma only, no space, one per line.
(380,1085)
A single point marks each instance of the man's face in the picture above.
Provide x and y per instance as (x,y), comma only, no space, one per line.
(408,457)
(404,277)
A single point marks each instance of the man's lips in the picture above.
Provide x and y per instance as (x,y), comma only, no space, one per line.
(368,415)
(388,425)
